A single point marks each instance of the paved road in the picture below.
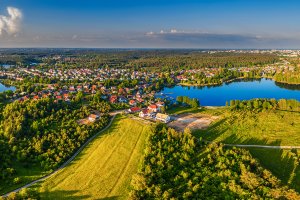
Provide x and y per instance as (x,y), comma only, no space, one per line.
(113,114)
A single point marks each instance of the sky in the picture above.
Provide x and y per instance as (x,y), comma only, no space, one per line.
(231,24)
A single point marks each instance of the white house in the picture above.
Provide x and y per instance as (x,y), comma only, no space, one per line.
(93,117)
(163,117)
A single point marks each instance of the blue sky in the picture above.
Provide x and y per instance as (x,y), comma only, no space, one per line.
(150,23)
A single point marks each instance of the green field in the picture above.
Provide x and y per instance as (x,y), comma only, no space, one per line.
(281,163)
(104,168)
(266,128)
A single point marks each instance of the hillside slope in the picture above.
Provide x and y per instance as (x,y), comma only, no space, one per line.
(104,169)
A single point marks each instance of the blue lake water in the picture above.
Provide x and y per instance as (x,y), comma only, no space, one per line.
(4,88)
(242,90)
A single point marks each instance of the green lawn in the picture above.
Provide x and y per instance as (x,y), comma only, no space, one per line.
(180,110)
(269,128)
(104,168)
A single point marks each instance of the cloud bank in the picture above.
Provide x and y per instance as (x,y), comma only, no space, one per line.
(10,24)
(201,39)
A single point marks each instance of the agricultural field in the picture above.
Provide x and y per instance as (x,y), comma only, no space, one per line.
(104,168)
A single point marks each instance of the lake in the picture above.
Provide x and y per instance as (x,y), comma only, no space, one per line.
(4,88)
(241,89)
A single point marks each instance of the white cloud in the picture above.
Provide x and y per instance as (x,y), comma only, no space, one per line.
(150,33)
(173,31)
(10,24)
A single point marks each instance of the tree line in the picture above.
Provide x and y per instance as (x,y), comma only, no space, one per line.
(266,104)
(185,100)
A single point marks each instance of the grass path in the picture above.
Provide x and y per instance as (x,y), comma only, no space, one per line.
(104,168)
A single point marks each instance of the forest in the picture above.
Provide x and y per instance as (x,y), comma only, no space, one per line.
(196,60)
(179,166)
(42,133)
(288,77)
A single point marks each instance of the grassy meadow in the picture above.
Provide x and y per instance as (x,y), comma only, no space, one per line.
(104,168)
(266,128)
(282,163)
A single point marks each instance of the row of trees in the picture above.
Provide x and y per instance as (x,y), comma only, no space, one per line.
(266,104)
(193,102)
(178,166)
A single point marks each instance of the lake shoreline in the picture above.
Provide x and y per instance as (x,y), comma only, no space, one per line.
(232,80)
(240,89)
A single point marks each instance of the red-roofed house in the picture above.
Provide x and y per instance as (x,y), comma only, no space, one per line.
(134,109)
(146,113)
(153,108)
(113,99)
(36,97)
(132,102)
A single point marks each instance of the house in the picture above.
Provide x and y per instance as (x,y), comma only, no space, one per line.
(72,88)
(160,104)
(146,113)
(94,87)
(59,97)
(79,88)
(163,117)
(93,117)
(139,99)
(66,96)
(36,97)
(113,99)
(153,108)
(132,102)
(134,109)
(122,100)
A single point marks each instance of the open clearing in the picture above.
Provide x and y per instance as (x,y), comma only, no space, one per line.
(104,168)
(275,128)
(281,164)
(192,121)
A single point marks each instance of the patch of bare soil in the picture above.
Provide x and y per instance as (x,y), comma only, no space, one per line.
(192,121)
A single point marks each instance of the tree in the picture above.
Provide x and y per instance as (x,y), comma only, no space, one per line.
(179,99)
